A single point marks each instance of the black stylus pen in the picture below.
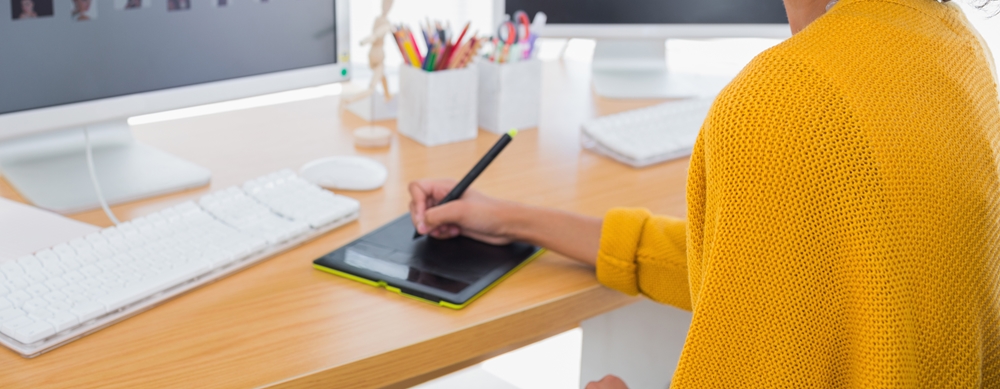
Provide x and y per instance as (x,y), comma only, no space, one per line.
(459,189)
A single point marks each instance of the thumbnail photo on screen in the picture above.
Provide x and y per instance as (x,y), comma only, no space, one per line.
(30,9)
(84,10)
(132,4)
(178,5)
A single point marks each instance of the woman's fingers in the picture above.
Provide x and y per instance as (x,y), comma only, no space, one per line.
(445,232)
(444,214)
(608,382)
(418,203)
(426,194)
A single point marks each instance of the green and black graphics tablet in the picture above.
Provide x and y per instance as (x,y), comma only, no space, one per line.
(450,273)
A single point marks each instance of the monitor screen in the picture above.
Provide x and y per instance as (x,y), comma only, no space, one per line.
(654,11)
(55,52)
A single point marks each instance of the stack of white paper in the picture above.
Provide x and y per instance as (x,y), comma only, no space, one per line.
(25,229)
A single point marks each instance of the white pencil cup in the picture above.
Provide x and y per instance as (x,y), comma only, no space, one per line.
(510,95)
(437,107)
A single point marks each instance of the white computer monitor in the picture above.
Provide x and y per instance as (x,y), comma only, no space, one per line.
(60,73)
(630,55)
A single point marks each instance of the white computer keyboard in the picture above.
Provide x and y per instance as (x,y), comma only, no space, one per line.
(649,135)
(72,289)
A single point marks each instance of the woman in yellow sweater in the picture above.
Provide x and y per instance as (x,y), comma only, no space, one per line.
(843,211)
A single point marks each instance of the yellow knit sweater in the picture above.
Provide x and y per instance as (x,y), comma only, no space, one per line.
(843,212)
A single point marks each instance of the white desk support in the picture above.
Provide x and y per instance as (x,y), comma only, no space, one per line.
(640,343)
(637,69)
(50,169)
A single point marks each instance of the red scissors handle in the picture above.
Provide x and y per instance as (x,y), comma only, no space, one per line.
(507,32)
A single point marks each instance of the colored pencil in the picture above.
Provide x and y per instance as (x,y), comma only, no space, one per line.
(414,58)
(458,43)
(416,49)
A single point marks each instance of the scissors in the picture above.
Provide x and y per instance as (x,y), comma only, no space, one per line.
(514,31)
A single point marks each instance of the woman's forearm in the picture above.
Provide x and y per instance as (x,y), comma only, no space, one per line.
(573,235)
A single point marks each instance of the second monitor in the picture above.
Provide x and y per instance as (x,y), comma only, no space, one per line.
(630,56)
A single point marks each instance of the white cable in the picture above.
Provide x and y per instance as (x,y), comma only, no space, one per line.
(93,179)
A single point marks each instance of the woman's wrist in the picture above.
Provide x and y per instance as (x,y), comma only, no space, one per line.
(573,235)
(517,221)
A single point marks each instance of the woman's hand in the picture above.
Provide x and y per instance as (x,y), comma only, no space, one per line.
(474,215)
(608,382)
(500,222)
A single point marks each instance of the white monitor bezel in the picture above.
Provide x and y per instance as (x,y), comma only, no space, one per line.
(22,123)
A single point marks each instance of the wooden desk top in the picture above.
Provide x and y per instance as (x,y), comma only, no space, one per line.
(284,324)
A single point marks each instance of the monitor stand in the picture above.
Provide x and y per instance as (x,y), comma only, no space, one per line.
(50,169)
(637,69)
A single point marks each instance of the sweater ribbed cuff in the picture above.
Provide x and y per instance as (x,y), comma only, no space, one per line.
(616,260)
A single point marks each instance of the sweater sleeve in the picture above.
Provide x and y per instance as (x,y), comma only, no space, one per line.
(641,253)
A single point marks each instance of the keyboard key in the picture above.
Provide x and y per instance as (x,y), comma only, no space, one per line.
(37,289)
(55,296)
(80,298)
(71,262)
(63,250)
(87,256)
(37,275)
(72,290)
(60,306)
(29,263)
(104,249)
(15,323)
(29,331)
(40,314)
(34,304)
(5,304)
(9,314)
(11,267)
(80,244)
(92,284)
(87,310)
(63,320)
(57,283)
(71,277)
(107,265)
(18,297)
(46,255)
(17,282)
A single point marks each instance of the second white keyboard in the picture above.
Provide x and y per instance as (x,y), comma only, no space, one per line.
(649,135)
(62,293)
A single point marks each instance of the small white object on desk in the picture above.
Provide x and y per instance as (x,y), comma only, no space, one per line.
(345,173)
(646,136)
(510,95)
(439,107)
(372,136)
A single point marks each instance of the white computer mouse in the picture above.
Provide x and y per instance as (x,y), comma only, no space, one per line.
(345,173)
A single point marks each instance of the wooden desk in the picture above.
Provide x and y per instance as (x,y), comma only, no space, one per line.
(283,324)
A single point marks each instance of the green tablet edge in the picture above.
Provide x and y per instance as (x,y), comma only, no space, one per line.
(386,286)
